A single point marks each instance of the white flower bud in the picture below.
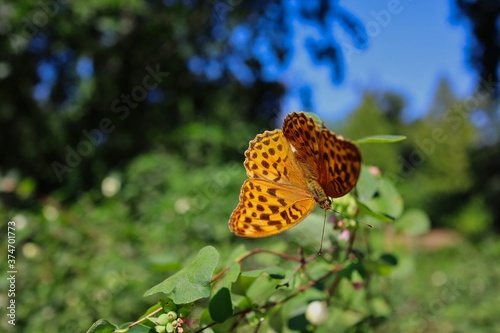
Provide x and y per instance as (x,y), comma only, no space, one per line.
(110,186)
(317,312)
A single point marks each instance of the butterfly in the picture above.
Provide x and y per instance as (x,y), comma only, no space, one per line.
(289,171)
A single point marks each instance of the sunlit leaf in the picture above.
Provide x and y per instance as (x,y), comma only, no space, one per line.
(262,288)
(193,281)
(380,139)
(102,326)
(388,201)
(231,275)
(315,117)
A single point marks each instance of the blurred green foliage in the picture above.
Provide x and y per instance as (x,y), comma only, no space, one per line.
(95,257)
(239,296)
(433,169)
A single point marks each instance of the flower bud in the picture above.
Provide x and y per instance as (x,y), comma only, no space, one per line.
(172,315)
(317,312)
(183,312)
(162,319)
(160,329)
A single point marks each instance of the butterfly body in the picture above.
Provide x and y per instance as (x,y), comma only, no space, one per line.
(289,171)
(318,194)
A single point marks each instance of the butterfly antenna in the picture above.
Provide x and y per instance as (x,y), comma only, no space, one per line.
(353,218)
(322,236)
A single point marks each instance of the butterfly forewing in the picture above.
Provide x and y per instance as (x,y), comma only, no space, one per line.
(339,165)
(269,156)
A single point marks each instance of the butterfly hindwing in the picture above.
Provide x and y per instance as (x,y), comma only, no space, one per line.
(266,209)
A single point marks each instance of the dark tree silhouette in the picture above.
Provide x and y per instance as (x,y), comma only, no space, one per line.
(133,78)
(482,17)
(484,47)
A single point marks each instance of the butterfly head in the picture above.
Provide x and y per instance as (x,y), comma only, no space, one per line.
(326,204)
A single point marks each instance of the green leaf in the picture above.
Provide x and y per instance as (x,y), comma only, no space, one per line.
(381,307)
(221,307)
(317,269)
(275,272)
(151,310)
(367,184)
(243,283)
(352,268)
(367,324)
(385,264)
(298,323)
(242,302)
(380,139)
(414,222)
(314,116)
(193,281)
(231,275)
(294,310)
(388,201)
(308,233)
(379,216)
(102,326)
(138,329)
(236,254)
(247,279)
(262,288)
(389,259)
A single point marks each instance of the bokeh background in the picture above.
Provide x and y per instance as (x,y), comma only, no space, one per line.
(123,127)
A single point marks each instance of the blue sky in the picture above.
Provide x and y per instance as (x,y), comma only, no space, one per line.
(408,55)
